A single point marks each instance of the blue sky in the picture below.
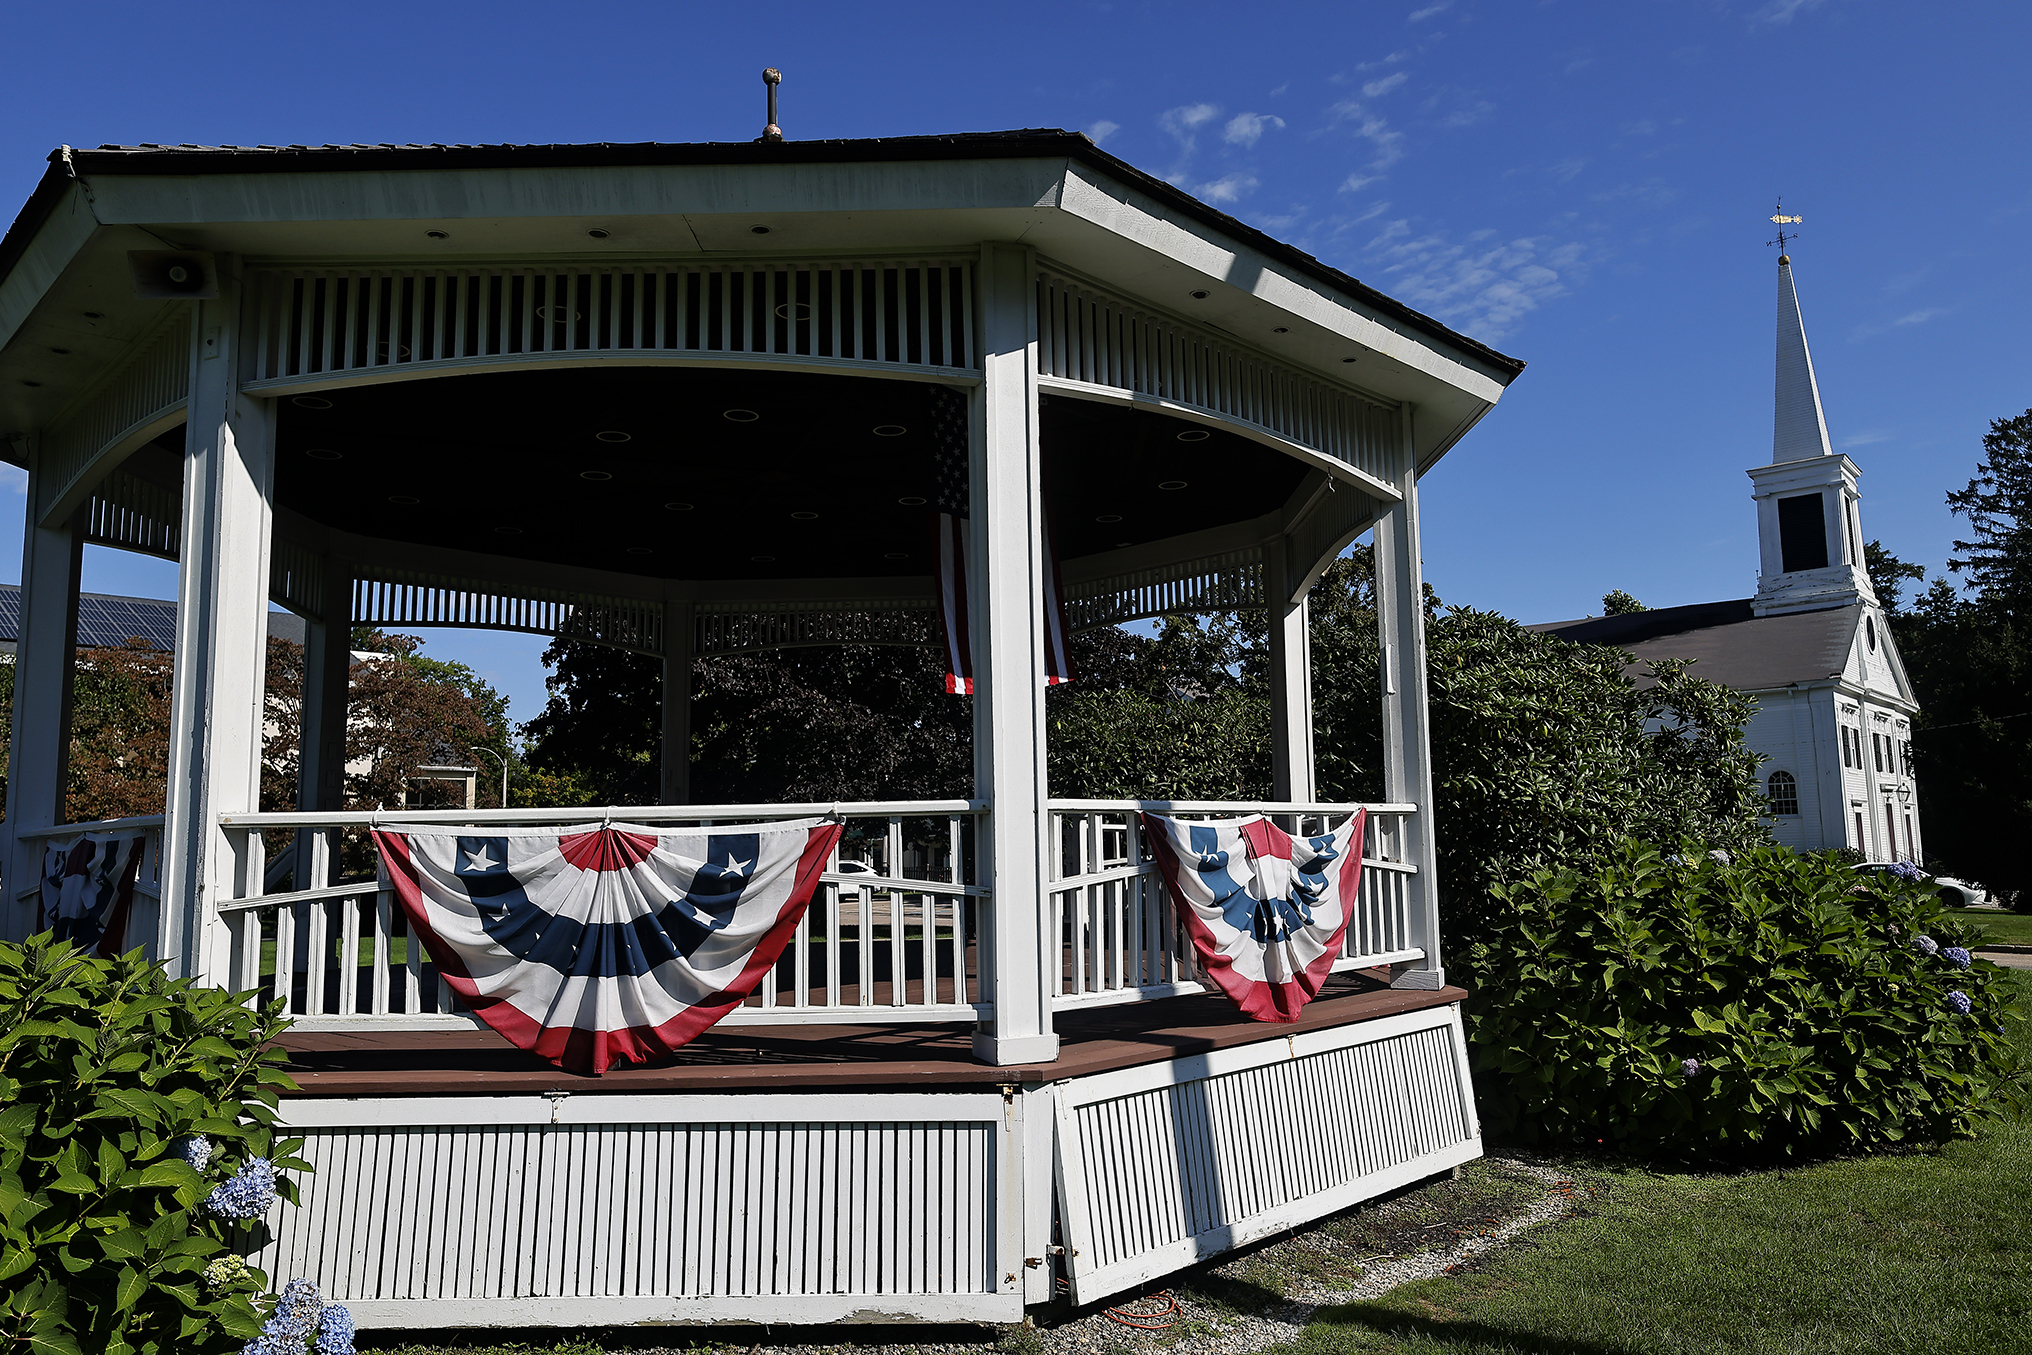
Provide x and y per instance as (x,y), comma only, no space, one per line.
(1583,185)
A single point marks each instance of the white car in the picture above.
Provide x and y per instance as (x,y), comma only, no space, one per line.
(1954,893)
(856,868)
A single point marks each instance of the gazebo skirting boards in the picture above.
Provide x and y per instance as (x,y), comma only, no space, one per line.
(698,400)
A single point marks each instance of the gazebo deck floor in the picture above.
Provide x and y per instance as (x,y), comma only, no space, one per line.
(828,1057)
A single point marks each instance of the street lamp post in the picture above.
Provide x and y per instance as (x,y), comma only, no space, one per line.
(504,771)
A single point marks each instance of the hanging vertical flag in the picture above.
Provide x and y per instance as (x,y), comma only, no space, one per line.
(952,473)
(619,944)
(88,890)
(1265,911)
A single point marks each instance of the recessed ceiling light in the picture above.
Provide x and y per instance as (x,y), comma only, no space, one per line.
(740,415)
(678,507)
(758,230)
(614,435)
(889,430)
(310,402)
(639,550)
(323,454)
(404,498)
(763,559)
(598,234)
(508,531)
(1171,484)
(1199,296)
(439,235)
(896,555)
(1194,435)
(93,315)
(1109,517)
(910,501)
(61,352)
(595,475)
(794,310)
(1281,329)
(803,516)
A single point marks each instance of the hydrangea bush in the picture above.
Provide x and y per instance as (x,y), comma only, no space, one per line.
(1769,1003)
(136,1141)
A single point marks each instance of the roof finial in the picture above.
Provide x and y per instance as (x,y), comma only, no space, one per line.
(1777,215)
(772,78)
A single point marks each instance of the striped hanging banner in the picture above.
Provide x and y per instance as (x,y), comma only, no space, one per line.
(1266,911)
(953,477)
(88,890)
(619,944)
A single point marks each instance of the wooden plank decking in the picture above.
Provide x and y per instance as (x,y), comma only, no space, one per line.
(826,1057)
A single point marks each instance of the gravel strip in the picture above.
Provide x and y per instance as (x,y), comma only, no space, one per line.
(1243,1334)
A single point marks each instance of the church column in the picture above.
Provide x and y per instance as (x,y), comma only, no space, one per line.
(676,755)
(1407,745)
(221,637)
(1006,587)
(321,748)
(1291,755)
(45,661)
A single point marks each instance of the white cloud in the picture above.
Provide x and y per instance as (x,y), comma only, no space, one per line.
(1246,129)
(1440,8)
(1781,11)
(1468,115)
(1376,131)
(1565,171)
(1918,317)
(1228,188)
(1650,193)
(1390,60)
(1376,89)
(1484,289)
(1185,120)
(1865,439)
(1102,130)
(1357,181)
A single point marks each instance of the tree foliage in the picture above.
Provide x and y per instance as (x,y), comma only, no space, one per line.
(1616,602)
(1998,506)
(1889,575)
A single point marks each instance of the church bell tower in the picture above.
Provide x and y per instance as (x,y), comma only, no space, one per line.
(1807,521)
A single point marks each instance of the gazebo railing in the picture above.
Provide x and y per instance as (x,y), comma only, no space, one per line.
(895,933)
(1120,933)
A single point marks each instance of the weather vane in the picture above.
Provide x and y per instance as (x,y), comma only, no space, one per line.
(1778,215)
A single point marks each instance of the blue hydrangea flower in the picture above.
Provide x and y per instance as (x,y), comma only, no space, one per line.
(1689,1068)
(272,1343)
(194,1149)
(1960,1002)
(1926,945)
(299,1307)
(335,1331)
(1957,956)
(248,1195)
(1905,870)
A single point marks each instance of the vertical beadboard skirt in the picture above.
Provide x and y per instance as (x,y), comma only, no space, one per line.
(602,1210)
(1163,1165)
(760,1207)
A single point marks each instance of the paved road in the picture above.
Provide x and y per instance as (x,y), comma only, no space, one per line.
(2005,958)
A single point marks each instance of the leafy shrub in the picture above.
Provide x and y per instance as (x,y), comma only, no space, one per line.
(1775,1003)
(132,1102)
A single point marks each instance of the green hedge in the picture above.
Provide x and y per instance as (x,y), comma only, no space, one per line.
(1773,1003)
(115,1081)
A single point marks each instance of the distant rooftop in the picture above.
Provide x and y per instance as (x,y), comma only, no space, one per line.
(1727,643)
(109,622)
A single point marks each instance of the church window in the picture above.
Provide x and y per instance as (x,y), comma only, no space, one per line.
(1877,749)
(1905,756)
(1862,838)
(1802,533)
(1891,829)
(1911,844)
(1870,629)
(1784,791)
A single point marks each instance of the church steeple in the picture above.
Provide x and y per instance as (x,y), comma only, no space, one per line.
(1798,426)
(1807,519)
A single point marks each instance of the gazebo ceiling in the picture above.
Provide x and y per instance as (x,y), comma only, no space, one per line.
(663,472)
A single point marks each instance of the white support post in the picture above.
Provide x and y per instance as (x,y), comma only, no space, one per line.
(677,627)
(321,752)
(1006,586)
(221,638)
(1291,755)
(1407,743)
(45,661)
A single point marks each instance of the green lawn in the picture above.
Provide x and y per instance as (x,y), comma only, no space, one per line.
(1926,1252)
(2012,928)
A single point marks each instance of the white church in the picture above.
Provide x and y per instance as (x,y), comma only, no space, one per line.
(1834,706)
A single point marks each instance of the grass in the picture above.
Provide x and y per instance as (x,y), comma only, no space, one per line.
(2010,928)
(1924,1251)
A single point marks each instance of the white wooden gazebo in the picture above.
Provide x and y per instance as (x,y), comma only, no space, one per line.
(677,398)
